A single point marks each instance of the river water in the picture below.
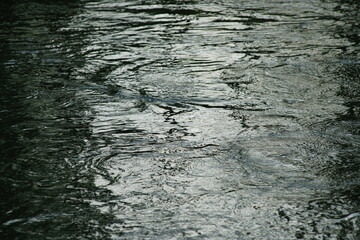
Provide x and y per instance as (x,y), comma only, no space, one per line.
(180,119)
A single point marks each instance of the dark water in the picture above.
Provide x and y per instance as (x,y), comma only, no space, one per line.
(180,119)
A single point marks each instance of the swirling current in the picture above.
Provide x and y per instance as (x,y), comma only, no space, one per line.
(180,119)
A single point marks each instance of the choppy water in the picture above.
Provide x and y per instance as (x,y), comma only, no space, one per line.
(180,119)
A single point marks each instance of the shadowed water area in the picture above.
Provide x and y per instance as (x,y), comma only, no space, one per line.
(180,119)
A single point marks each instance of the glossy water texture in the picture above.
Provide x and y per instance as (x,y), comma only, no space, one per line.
(180,119)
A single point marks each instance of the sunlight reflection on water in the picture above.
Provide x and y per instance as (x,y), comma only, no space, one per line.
(181,120)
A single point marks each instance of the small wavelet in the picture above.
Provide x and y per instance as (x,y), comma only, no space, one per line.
(179,119)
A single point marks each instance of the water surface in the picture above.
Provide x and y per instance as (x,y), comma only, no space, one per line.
(180,119)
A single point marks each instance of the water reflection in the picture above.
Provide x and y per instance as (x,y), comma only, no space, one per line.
(43,128)
(181,120)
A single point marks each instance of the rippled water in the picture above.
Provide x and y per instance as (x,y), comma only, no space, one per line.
(180,119)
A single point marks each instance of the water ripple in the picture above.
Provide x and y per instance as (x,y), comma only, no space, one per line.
(180,120)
